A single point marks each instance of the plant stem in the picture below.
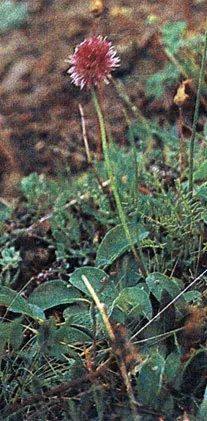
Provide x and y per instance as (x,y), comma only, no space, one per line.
(103,311)
(195,118)
(135,163)
(100,307)
(182,144)
(113,184)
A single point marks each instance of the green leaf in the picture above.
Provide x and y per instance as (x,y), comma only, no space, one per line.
(157,282)
(201,172)
(114,244)
(203,407)
(54,293)
(117,315)
(18,304)
(202,192)
(10,257)
(172,365)
(12,15)
(191,296)
(96,277)
(167,403)
(172,34)
(204,217)
(5,212)
(78,314)
(134,301)
(12,333)
(193,375)
(36,312)
(72,334)
(156,84)
(55,341)
(149,382)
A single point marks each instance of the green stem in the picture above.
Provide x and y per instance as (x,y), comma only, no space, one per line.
(135,163)
(195,118)
(182,144)
(113,184)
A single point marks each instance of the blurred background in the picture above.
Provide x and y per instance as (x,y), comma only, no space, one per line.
(39,114)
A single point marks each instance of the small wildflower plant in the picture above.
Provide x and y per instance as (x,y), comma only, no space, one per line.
(94,307)
(92,63)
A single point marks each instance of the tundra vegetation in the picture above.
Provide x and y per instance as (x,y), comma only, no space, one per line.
(103,274)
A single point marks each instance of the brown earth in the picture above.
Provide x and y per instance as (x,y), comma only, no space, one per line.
(39,114)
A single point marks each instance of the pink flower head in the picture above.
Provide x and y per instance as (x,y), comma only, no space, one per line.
(92,62)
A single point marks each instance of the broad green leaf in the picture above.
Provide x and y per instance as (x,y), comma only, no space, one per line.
(54,293)
(55,341)
(191,296)
(18,304)
(13,300)
(98,280)
(172,365)
(72,334)
(157,282)
(35,312)
(80,315)
(62,352)
(114,244)
(134,301)
(12,333)
(149,382)
(117,315)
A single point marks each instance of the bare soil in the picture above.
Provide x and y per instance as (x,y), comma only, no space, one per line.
(39,113)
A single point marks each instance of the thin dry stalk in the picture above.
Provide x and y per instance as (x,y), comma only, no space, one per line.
(85,140)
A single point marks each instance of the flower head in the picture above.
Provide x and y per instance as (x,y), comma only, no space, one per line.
(92,62)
